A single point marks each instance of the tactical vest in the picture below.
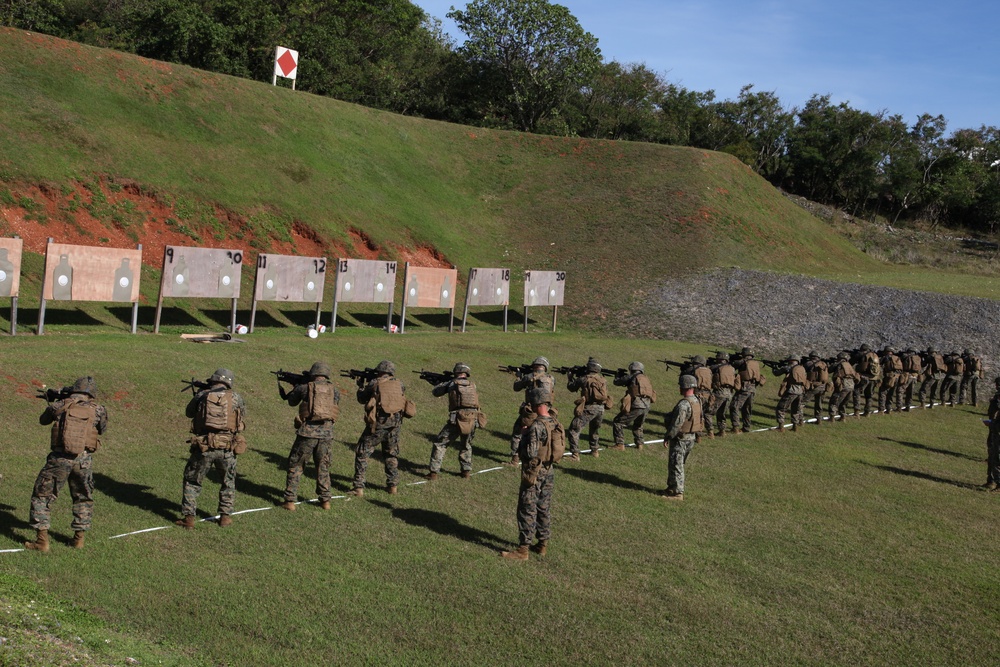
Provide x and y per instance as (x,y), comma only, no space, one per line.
(797,375)
(937,363)
(595,389)
(543,380)
(750,372)
(554,447)
(911,363)
(217,413)
(870,365)
(704,377)
(76,430)
(726,376)
(695,423)
(846,371)
(320,404)
(389,395)
(894,363)
(956,366)
(462,395)
(819,372)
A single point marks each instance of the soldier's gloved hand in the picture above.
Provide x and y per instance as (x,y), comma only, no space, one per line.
(534,463)
(360,382)
(282,392)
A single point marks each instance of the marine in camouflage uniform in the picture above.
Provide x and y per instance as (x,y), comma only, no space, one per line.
(869,370)
(993,442)
(912,370)
(844,376)
(818,374)
(213,447)
(724,382)
(382,422)
(790,393)
(539,377)
(934,371)
(639,396)
(534,500)
(703,391)
(683,426)
(594,398)
(463,417)
(888,391)
(748,371)
(62,466)
(953,379)
(974,372)
(313,436)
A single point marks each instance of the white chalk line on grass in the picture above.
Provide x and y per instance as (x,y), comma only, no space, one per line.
(417,483)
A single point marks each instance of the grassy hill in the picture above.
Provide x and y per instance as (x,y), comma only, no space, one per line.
(231,160)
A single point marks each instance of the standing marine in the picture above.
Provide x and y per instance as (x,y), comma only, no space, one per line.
(993,442)
(635,404)
(818,375)
(463,418)
(844,376)
(750,376)
(538,377)
(790,393)
(384,398)
(589,411)
(683,426)
(974,372)
(218,419)
(934,371)
(77,422)
(724,382)
(319,408)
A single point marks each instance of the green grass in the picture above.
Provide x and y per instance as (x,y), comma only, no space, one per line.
(863,543)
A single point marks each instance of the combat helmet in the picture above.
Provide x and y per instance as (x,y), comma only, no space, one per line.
(843,356)
(699,359)
(813,354)
(721,356)
(86,385)
(688,382)
(538,395)
(966,352)
(321,369)
(541,361)
(385,367)
(865,347)
(636,367)
(223,375)
(461,368)
(746,352)
(593,366)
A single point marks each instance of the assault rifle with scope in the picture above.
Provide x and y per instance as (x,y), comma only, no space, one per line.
(435,378)
(777,367)
(621,372)
(51,395)
(570,370)
(359,377)
(292,378)
(194,385)
(523,369)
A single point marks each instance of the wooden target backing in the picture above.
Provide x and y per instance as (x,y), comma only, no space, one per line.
(544,288)
(488,287)
(201,272)
(428,287)
(10,266)
(365,281)
(91,273)
(290,278)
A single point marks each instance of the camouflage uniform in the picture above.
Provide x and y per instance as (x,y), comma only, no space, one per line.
(993,442)
(844,376)
(912,370)
(203,457)
(741,410)
(537,378)
(682,432)
(639,405)
(818,374)
(313,439)
(62,466)
(867,365)
(888,391)
(953,379)
(381,429)
(974,372)
(703,391)
(790,395)
(451,431)
(934,370)
(534,500)
(594,393)
(724,382)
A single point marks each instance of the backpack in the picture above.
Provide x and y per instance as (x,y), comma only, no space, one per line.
(78,432)
(463,395)
(555,446)
(874,366)
(595,390)
(320,403)
(216,412)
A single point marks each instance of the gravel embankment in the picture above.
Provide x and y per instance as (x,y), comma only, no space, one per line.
(780,314)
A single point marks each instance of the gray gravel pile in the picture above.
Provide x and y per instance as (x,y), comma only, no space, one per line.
(780,314)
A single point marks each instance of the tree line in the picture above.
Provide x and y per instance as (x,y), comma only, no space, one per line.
(529,65)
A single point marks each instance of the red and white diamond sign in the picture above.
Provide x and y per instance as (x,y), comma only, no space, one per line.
(286,62)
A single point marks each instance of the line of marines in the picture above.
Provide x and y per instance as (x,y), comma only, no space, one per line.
(708,393)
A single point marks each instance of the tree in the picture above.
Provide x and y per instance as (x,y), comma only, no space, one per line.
(527,57)
(621,103)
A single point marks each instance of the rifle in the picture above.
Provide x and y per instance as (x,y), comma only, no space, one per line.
(570,370)
(683,365)
(607,372)
(194,385)
(435,378)
(777,367)
(360,377)
(292,378)
(523,369)
(51,395)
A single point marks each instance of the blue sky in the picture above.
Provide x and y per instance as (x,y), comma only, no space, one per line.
(907,58)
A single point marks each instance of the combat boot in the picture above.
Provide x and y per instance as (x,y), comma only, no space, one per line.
(638,446)
(596,454)
(41,542)
(466,474)
(989,486)
(357,493)
(392,490)
(186,522)
(620,446)
(795,428)
(288,505)
(77,542)
(721,434)
(672,495)
(781,428)
(325,505)
(514,461)
(431,476)
(541,547)
(711,435)
(225,520)
(521,553)
(574,457)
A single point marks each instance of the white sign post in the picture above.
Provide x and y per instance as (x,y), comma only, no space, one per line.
(286,64)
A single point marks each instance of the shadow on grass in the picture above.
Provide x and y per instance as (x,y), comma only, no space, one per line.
(922,475)
(605,478)
(443,524)
(10,523)
(137,495)
(55,314)
(917,445)
(432,320)
(303,318)
(340,482)
(169,316)
(490,317)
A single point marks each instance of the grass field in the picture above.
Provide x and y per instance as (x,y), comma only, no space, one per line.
(863,543)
